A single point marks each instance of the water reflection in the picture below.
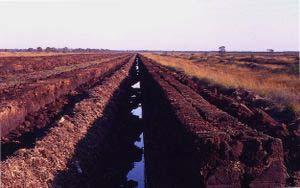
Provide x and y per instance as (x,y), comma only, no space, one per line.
(137,173)
(136,85)
(137,111)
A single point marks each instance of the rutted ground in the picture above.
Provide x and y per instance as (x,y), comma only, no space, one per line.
(69,125)
(24,99)
(222,134)
(275,76)
(29,74)
(37,167)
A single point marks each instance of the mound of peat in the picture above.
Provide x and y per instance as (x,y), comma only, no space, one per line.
(58,150)
(255,112)
(199,144)
(32,97)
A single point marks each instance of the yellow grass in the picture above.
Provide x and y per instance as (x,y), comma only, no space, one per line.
(284,89)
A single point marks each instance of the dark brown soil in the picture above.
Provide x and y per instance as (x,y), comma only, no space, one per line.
(224,151)
(18,65)
(58,150)
(254,111)
(29,98)
(75,129)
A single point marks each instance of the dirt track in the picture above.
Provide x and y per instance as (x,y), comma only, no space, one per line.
(195,135)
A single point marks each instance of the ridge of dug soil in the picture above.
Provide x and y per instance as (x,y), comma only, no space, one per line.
(223,150)
(83,131)
(33,96)
(37,167)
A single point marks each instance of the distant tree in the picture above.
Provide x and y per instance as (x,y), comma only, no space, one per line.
(39,49)
(222,49)
(78,50)
(65,49)
(30,50)
(48,49)
(270,50)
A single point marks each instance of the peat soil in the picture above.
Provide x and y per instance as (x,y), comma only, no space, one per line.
(115,158)
(27,98)
(37,124)
(191,143)
(156,135)
(256,112)
(170,157)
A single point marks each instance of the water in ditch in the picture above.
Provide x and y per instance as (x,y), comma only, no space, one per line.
(137,173)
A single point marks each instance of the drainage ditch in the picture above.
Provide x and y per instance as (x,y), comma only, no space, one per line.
(112,153)
(137,173)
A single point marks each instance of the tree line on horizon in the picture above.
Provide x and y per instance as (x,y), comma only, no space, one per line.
(53,49)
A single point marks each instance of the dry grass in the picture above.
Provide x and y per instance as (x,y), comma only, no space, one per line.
(282,88)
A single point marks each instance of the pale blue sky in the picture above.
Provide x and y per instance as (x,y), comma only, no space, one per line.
(154,25)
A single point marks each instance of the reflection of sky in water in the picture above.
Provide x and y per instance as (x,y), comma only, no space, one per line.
(136,85)
(137,173)
(137,111)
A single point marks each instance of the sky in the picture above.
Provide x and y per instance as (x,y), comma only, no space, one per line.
(240,25)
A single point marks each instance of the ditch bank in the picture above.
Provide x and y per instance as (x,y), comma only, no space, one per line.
(36,124)
(253,111)
(96,145)
(112,153)
(191,143)
(31,97)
